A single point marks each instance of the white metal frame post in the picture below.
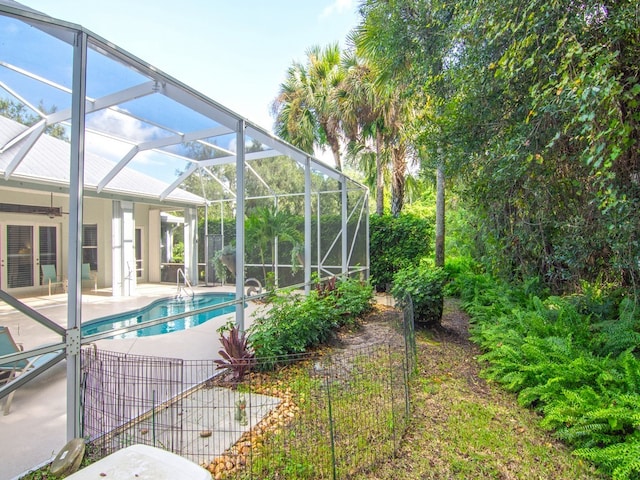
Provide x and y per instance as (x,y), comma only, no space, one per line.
(206,243)
(307,226)
(191,244)
(367,237)
(345,215)
(318,236)
(76,192)
(240,170)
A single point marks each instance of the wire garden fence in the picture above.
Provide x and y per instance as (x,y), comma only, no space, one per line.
(316,416)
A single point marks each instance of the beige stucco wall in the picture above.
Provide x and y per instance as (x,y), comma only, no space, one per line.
(96,211)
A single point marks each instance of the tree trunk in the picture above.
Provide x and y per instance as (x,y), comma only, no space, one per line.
(398,179)
(334,143)
(440,216)
(379,177)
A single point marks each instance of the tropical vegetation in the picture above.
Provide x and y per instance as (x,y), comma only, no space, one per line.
(293,323)
(529,112)
(571,358)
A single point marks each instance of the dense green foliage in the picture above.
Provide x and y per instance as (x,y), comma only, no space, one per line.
(295,323)
(571,358)
(396,243)
(532,108)
(424,283)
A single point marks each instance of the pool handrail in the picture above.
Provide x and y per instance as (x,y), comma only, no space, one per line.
(185,287)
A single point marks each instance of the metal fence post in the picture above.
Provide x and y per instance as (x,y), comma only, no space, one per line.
(393,410)
(331,428)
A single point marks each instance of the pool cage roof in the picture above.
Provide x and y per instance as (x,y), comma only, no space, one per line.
(135,115)
(137,133)
(81,117)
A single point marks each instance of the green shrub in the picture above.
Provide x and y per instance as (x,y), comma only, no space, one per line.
(295,322)
(425,285)
(598,300)
(352,299)
(177,255)
(396,243)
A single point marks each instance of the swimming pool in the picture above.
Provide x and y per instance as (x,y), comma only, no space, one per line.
(164,307)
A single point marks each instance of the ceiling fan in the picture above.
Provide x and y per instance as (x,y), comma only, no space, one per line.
(53,212)
(50,211)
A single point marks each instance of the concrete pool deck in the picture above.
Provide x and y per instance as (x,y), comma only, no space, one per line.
(35,429)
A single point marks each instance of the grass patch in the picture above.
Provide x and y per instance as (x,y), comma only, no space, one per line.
(351,411)
(463,427)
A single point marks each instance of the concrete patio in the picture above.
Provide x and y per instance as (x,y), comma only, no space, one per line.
(35,429)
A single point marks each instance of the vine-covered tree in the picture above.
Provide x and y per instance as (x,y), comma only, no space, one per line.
(534,108)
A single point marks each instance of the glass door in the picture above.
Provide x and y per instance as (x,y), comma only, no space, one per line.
(48,248)
(20,261)
(27,247)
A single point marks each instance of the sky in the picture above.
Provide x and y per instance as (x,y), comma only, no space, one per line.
(234,52)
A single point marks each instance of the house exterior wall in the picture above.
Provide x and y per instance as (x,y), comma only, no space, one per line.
(153,245)
(96,211)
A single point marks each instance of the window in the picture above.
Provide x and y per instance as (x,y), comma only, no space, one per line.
(48,245)
(90,245)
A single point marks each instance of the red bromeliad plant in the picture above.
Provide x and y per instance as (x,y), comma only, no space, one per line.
(327,287)
(237,356)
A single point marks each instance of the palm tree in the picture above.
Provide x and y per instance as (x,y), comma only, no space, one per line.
(305,109)
(264,225)
(393,111)
(362,122)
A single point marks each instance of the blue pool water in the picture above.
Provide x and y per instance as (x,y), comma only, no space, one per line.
(161,308)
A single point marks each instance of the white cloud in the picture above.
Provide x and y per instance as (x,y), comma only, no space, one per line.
(338,7)
(121,125)
(117,125)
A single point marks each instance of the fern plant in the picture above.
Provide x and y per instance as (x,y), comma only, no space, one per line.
(583,375)
(620,460)
(613,336)
(590,419)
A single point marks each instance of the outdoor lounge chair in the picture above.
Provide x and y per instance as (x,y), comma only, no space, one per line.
(49,277)
(88,275)
(11,370)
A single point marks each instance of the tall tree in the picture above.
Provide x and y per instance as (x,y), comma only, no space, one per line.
(534,105)
(305,109)
(394,109)
(361,115)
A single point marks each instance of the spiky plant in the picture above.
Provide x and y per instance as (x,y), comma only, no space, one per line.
(237,356)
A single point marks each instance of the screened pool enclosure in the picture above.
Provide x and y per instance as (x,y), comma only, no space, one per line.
(116,175)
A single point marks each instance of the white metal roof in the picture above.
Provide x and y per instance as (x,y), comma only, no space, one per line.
(47,163)
(123,91)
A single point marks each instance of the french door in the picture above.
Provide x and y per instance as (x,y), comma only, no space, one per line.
(26,248)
